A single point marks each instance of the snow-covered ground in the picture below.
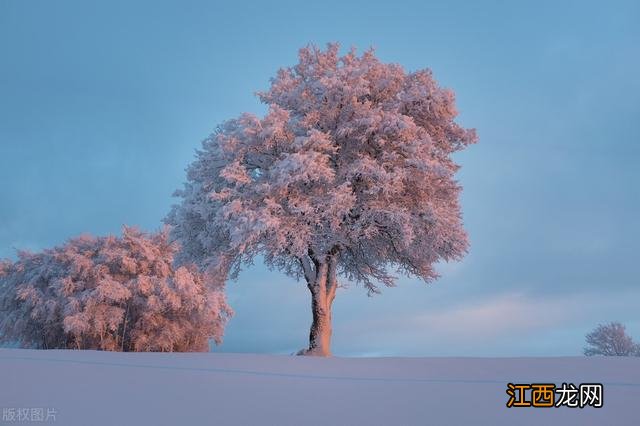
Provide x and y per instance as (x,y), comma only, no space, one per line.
(103,388)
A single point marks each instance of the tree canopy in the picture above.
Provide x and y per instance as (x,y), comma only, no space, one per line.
(110,293)
(352,160)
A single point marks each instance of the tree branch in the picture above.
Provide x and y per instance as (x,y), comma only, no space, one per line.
(332,279)
(309,273)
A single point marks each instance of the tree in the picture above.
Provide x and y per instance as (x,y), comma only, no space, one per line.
(610,340)
(349,173)
(109,293)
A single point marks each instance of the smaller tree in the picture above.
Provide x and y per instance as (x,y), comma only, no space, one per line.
(610,340)
(110,293)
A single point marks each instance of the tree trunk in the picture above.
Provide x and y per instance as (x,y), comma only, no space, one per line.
(323,289)
(320,334)
(124,328)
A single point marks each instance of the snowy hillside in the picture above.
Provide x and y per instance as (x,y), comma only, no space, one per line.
(103,388)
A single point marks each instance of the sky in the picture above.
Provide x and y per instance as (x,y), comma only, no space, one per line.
(102,105)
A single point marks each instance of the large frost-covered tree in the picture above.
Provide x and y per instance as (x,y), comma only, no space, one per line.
(349,173)
(110,293)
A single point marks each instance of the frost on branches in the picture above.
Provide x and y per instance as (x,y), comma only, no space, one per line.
(611,340)
(350,173)
(109,293)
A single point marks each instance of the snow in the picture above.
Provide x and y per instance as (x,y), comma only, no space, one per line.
(108,388)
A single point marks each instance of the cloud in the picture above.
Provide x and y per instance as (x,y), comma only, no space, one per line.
(505,315)
(508,324)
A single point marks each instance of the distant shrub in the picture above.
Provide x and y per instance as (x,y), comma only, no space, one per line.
(610,340)
(110,293)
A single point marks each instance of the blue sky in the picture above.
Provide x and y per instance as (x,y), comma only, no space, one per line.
(102,106)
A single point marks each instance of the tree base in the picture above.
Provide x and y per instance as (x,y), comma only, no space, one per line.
(313,352)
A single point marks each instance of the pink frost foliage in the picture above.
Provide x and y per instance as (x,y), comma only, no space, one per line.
(352,162)
(110,293)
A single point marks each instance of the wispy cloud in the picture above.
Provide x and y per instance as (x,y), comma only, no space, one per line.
(511,320)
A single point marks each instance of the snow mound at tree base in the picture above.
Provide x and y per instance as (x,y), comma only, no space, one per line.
(107,388)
